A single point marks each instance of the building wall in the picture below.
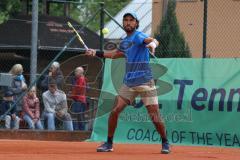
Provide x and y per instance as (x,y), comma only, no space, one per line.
(223,34)
(157,11)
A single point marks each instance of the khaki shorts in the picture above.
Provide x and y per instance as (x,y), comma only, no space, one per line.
(146,91)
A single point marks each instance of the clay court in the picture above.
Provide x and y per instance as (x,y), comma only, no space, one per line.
(58,150)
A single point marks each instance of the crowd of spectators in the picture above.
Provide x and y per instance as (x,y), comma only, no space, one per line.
(53,107)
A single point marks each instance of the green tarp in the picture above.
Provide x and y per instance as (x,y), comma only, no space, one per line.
(199,100)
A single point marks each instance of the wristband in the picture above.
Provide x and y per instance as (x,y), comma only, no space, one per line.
(156,42)
(100,54)
(152,44)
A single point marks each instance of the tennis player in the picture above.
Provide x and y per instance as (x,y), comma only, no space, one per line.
(138,80)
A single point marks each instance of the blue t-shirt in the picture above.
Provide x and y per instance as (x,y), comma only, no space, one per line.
(137,60)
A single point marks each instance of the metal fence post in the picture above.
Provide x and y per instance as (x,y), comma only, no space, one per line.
(101,25)
(205,15)
(34,42)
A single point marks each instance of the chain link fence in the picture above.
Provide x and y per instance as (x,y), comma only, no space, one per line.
(222,27)
(223,41)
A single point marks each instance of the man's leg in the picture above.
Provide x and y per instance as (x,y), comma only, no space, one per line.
(149,97)
(50,120)
(120,104)
(74,110)
(81,116)
(67,122)
(153,111)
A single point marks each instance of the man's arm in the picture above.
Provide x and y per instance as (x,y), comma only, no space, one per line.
(112,55)
(152,43)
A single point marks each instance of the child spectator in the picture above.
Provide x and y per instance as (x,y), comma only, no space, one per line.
(31,110)
(8,108)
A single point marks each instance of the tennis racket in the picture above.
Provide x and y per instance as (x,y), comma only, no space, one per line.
(78,35)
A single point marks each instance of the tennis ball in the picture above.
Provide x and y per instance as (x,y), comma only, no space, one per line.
(105,31)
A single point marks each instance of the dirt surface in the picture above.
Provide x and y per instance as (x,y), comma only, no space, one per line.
(56,150)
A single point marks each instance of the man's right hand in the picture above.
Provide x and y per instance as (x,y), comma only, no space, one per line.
(90,52)
(60,113)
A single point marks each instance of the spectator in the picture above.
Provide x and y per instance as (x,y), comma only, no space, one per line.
(79,99)
(55,105)
(55,73)
(8,108)
(18,86)
(31,110)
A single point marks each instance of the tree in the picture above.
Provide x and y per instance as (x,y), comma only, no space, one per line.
(9,8)
(172,41)
(89,8)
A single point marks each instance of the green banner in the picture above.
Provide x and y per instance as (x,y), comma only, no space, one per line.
(199,100)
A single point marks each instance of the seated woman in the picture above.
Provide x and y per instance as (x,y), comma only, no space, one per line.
(18,86)
(31,110)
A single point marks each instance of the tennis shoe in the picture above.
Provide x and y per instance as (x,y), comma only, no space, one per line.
(165,148)
(105,147)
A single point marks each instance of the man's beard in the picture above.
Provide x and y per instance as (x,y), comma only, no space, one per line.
(129,29)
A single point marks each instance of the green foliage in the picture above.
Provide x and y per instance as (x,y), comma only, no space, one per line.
(80,12)
(172,41)
(88,9)
(84,11)
(9,8)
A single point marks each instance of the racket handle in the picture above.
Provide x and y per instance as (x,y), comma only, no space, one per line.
(85,46)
